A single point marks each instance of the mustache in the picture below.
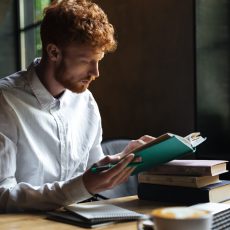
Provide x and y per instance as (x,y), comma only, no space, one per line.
(90,78)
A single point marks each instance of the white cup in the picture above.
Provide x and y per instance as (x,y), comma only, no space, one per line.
(182,218)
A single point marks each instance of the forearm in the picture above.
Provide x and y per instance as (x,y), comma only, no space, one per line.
(23,196)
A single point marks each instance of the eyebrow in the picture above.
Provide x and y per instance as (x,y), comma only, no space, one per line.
(101,56)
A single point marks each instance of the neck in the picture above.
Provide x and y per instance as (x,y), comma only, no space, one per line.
(46,74)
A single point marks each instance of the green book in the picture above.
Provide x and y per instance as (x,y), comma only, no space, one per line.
(161,150)
(165,148)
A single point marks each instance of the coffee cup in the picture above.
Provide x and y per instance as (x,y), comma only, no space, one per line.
(181,218)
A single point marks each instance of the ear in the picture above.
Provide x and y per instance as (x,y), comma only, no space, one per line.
(53,52)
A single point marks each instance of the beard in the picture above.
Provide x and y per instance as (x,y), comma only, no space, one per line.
(76,86)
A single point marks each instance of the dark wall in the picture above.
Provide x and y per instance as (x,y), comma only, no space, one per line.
(147,85)
(213,76)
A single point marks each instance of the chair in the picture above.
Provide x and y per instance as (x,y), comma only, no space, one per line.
(128,188)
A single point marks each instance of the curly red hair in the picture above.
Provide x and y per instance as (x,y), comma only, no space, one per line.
(77,21)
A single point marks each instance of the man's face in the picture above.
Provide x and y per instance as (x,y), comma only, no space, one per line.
(78,67)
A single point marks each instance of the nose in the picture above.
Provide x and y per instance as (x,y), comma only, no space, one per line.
(94,71)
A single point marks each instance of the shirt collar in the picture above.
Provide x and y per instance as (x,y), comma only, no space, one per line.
(45,99)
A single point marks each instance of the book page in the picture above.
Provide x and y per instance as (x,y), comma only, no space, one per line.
(195,139)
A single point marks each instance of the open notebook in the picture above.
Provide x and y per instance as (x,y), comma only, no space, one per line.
(94,215)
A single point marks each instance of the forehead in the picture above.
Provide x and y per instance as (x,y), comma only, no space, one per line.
(83,51)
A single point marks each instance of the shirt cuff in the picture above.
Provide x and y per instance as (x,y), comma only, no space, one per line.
(75,190)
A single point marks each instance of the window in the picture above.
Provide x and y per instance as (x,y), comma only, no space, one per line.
(31,13)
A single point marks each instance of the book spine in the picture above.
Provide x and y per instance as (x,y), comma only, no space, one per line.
(167,180)
(175,194)
(193,171)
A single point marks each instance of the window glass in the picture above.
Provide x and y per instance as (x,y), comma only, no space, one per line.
(39,7)
(31,13)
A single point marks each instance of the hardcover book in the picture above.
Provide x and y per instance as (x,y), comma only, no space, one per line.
(217,192)
(161,150)
(191,167)
(186,181)
(166,148)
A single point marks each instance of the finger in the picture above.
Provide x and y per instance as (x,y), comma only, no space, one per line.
(140,142)
(106,180)
(108,183)
(128,174)
(135,144)
(147,138)
(137,159)
(108,159)
(122,177)
(119,167)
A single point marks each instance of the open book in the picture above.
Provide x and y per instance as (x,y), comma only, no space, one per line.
(165,148)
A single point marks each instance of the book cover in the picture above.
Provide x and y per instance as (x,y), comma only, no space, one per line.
(186,181)
(70,218)
(191,167)
(97,213)
(217,192)
(92,215)
(166,148)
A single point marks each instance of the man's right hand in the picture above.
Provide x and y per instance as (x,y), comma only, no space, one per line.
(100,181)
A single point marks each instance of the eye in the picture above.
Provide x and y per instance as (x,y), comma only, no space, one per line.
(82,61)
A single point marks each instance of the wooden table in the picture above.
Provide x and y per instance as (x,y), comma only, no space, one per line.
(38,221)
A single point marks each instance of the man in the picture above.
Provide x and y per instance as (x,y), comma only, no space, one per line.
(50,126)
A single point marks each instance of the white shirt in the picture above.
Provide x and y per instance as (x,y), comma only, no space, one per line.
(45,144)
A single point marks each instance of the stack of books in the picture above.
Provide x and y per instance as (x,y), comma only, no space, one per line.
(185,181)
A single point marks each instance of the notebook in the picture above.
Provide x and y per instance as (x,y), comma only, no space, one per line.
(69,218)
(94,215)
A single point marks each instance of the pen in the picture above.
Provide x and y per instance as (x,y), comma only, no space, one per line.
(109,166)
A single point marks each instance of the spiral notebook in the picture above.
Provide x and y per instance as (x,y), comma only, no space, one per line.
(93,215)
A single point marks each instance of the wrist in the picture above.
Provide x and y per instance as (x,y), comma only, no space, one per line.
(86,183)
